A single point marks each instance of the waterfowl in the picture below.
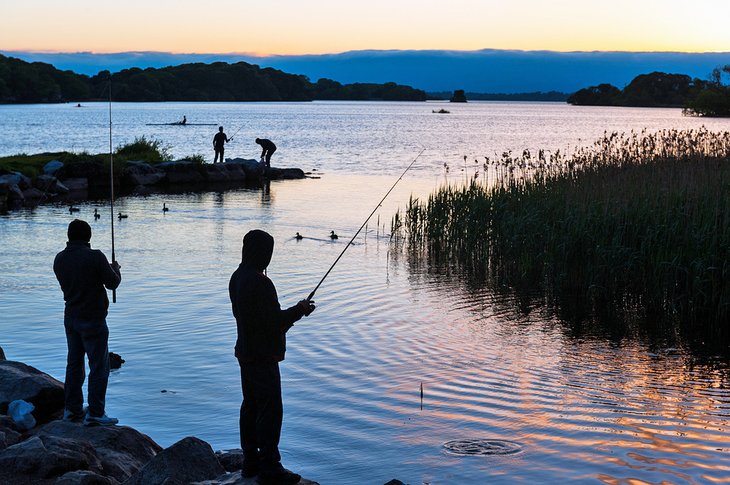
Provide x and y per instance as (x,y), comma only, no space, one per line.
(96,214)
(122,216)
(164,207)
(298,237)
(333,235)
(72,209)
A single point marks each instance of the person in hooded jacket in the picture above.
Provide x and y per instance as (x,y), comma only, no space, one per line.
(261,344)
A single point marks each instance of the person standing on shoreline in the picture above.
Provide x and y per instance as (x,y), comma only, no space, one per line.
(84,275)
(219,144)
(268,149)
(261,344)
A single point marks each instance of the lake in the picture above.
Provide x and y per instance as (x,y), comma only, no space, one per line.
(581,407)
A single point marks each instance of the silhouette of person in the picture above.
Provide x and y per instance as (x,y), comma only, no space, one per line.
(219,141)
(261,344)
(268,149)
(84,275)
(184,120)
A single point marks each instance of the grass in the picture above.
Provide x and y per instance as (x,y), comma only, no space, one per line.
(637,224)
(148,150)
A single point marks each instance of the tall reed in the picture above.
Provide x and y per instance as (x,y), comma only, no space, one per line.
(637,222)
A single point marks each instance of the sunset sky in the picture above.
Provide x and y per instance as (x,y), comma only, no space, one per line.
(328,26)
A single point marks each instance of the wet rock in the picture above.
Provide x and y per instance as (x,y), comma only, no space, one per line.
(236,478)
(52,167)
(253,168)
(230,460)
(189,460)
(140,173)
(115,360)
(122,450)
(284,173)
(182,172)
(216,173)
(9,432)
(92,170)
(76,184)
(235,171)
(84,477)
(47,457)
(50,184)
(33,194)
(15,194)
(21,381)
(16,178)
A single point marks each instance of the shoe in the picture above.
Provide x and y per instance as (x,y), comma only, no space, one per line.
(105,420)
(280,476)
(72,417)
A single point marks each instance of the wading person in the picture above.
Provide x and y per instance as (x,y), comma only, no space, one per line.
(219,144)
(267,149)
(261,344)
(85,274)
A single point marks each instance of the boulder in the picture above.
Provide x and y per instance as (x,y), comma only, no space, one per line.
(284,173)
(92,170)
(216,173)
(15,194)
(2,354)
(33,194)
(50,184)
(253,168)
(52,167)
(20,381)
(115,360)
(182,172)
(235,171)
(140,173)
(9,432)
(76,184)
(122,450)
(47,457)
(16,178)
(236,478)
(84,477)
(189,460)
(230,460)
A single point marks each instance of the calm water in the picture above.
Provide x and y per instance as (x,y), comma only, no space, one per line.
(583,408)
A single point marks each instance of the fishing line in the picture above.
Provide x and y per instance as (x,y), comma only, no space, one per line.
(311,295)
(111,180)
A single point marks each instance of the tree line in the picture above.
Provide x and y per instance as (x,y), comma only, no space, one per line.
(38,82)
(658,89)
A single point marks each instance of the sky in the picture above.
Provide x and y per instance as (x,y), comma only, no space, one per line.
(286,27)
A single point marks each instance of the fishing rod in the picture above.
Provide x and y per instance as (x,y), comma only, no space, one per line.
(311,295)
(111,181)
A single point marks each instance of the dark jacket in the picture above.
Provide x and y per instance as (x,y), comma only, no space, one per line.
(261,323)
(83,273)
(267,146)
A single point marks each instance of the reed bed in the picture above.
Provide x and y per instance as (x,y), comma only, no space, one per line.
(635,223)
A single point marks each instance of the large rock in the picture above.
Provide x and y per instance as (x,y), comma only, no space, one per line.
(231,460)
(77,184)
(84,477)
(182,172)
(50,184)
(235,171)
(52,167)
(236,478)
(20,381)
(140,173)
(122,450)
(253,168)
(2,354)
(33,194)
(9,432)
(189,460)
(47,457)
(284,173)
(216,173)
(16,178)
(15,194)
(94,171)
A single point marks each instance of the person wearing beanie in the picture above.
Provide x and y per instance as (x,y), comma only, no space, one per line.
(85,274)
(262,326)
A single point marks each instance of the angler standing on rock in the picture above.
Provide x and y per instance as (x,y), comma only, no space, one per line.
(84,275)
(261,344)
(219,144)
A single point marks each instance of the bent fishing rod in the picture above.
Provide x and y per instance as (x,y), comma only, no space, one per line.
(111,180)
(311,295)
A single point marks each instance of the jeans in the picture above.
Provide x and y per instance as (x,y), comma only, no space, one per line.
(262,412)
(90,338)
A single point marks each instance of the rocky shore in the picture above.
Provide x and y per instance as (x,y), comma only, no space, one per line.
(84,180)
(57,452)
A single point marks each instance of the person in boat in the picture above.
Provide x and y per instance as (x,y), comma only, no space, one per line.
(268,149)
(184,120)
(219,141)
(261,329)
(84,275)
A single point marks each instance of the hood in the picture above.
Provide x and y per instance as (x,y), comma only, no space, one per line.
(258,246)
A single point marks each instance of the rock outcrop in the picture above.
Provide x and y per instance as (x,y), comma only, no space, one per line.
(20,381)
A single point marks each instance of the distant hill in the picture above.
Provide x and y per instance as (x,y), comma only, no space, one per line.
(37,82)
(481,71)
(554,96)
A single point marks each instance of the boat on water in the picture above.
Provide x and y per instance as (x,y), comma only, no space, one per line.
(178,123)
(441,111)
